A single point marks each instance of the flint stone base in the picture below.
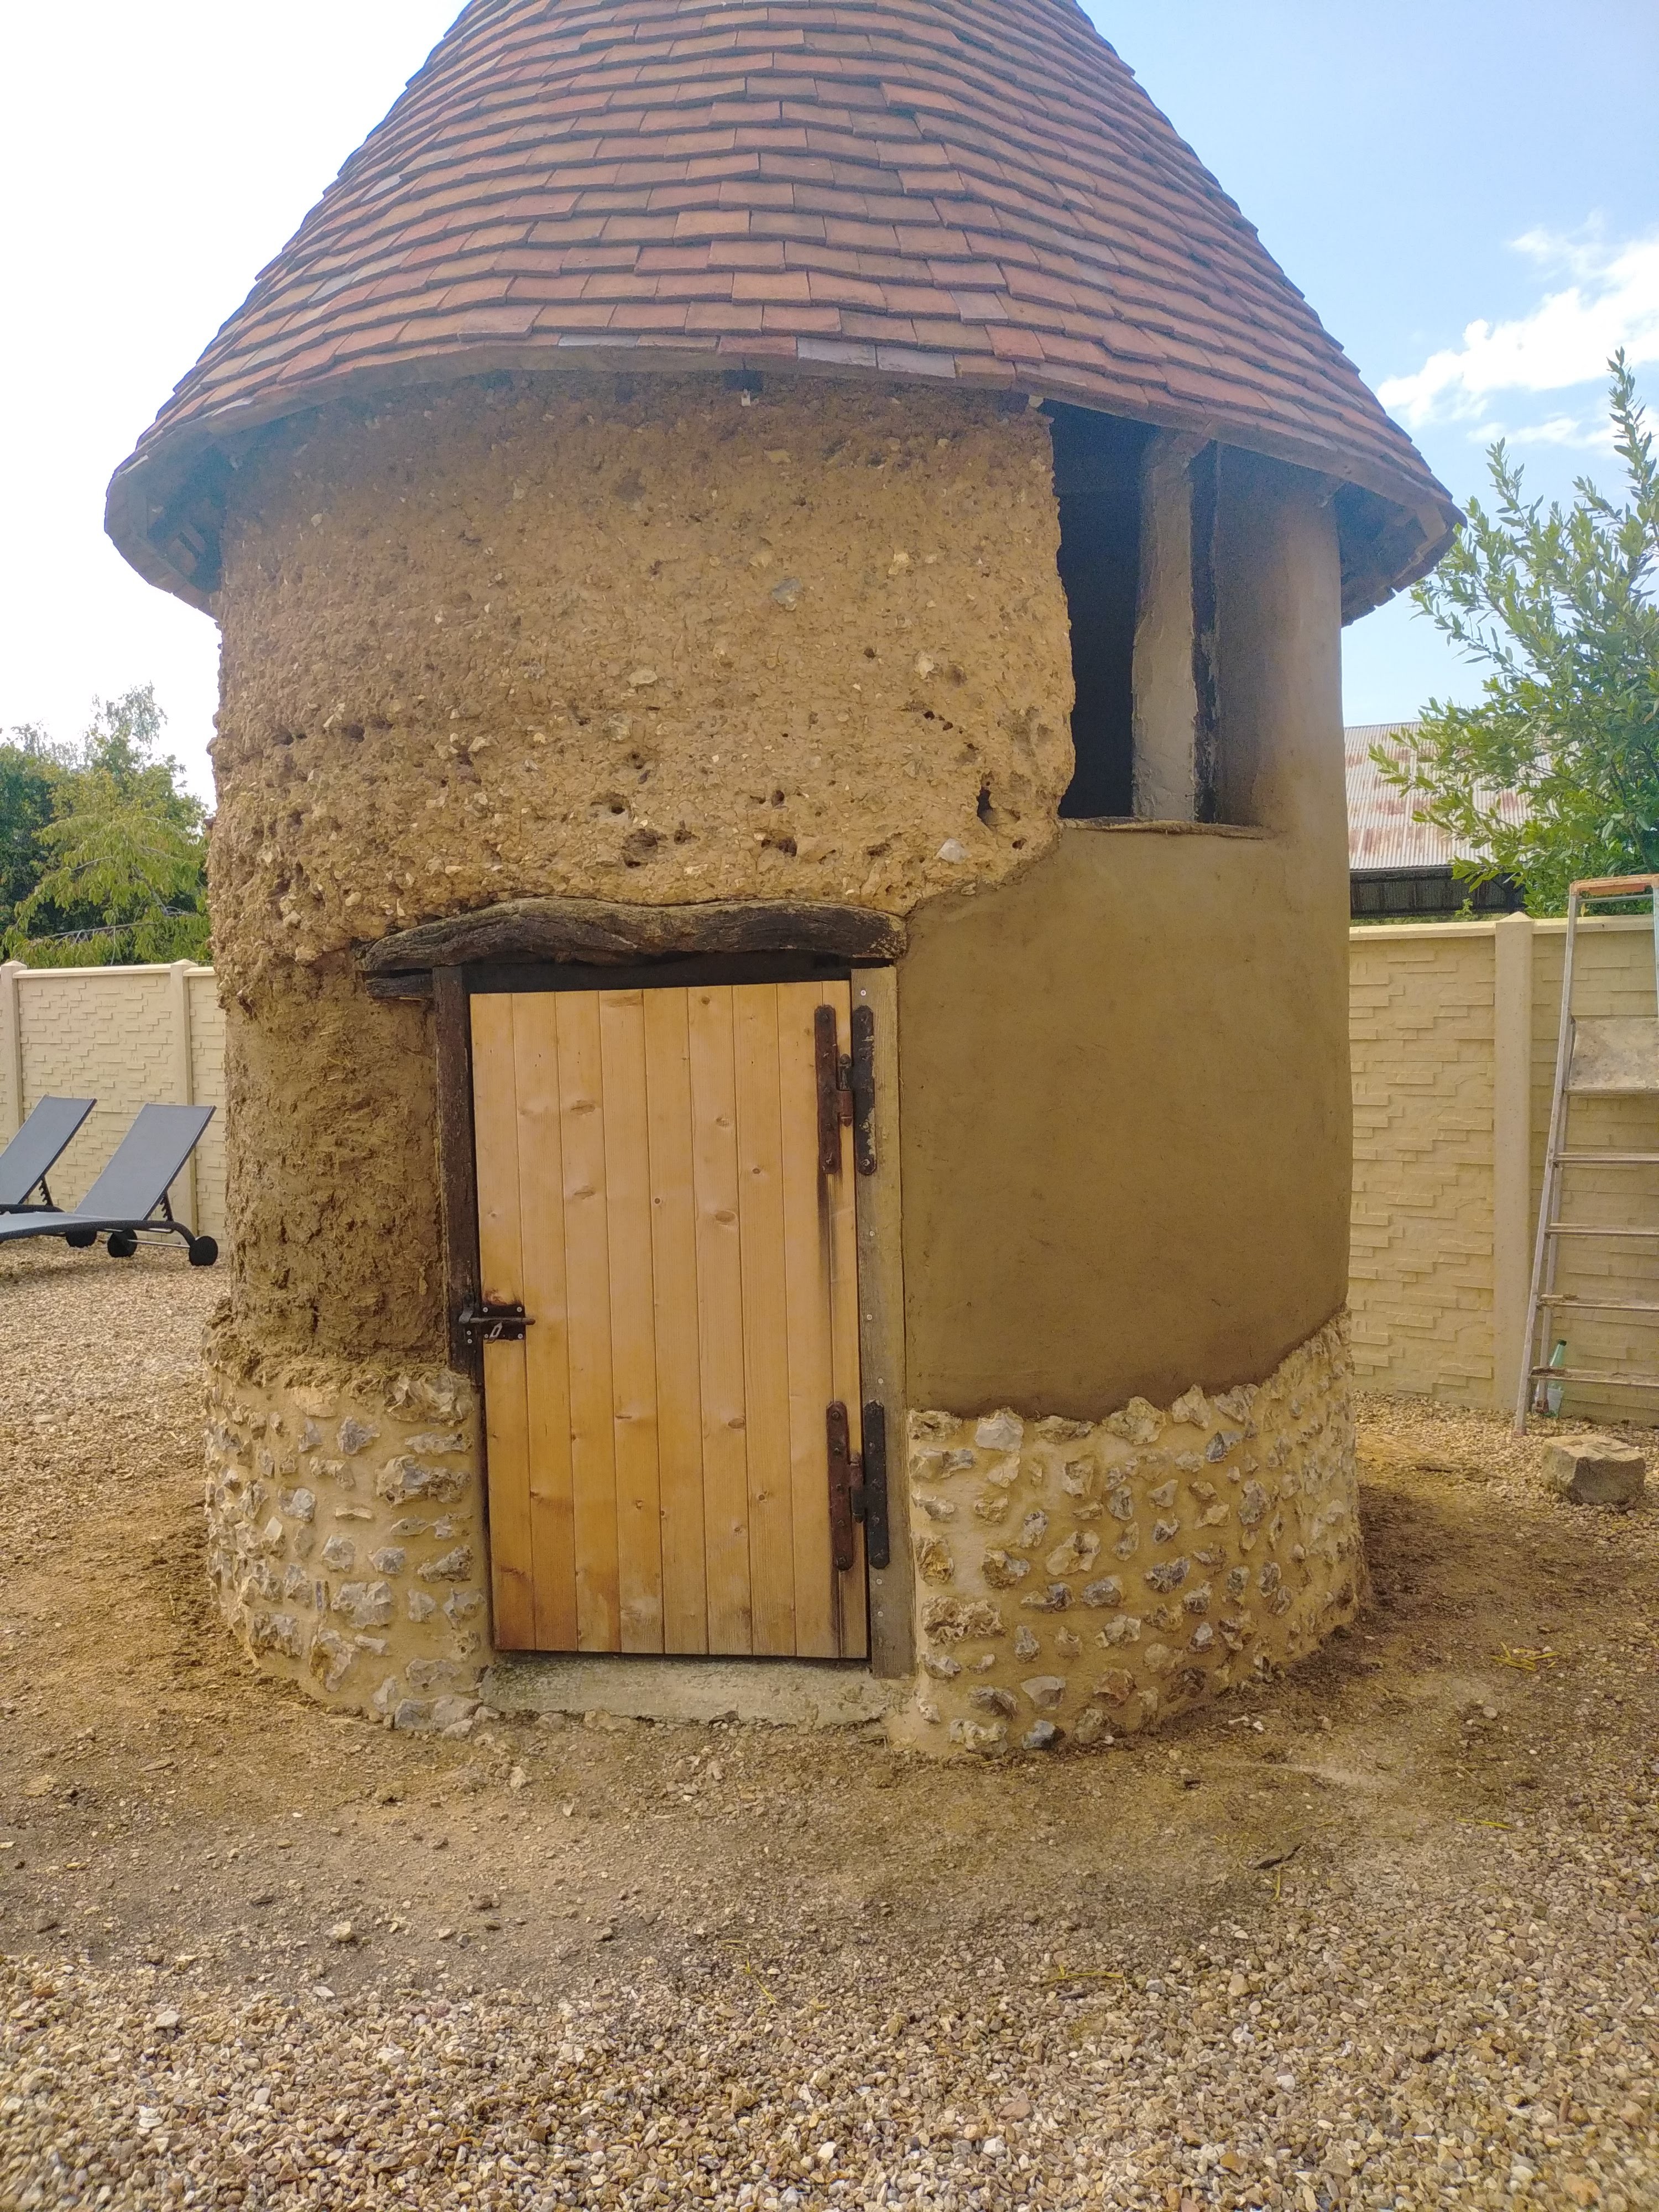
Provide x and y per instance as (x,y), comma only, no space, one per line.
(1595,1470)
(1077,1582)
(345,1531)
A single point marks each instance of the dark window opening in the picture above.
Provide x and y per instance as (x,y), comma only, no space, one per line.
(1205,475)
(1098,461)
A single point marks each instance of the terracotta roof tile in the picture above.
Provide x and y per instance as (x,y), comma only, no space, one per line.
(820,321)
(973,189)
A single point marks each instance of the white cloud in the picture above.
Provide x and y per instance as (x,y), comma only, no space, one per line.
(1613,300)
(1588,434)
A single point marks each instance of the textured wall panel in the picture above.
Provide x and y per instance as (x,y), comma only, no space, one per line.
(1421,1275)
(108,1034)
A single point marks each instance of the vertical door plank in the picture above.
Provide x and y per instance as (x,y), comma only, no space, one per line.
(810,1364)
(674,1283)
(506,1416)
(547,1346)
(633,1321)
(765,1317)
(844,1333)
(593,1432)
(719,1318)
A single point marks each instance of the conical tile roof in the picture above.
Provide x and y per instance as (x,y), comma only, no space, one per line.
(974,191)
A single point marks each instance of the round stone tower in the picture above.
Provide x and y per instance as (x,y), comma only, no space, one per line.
(781,857)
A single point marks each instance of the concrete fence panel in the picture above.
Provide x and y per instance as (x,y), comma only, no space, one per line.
(127,1037)
(1453,1031)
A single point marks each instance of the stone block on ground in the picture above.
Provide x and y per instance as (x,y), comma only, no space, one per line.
(1595,1470)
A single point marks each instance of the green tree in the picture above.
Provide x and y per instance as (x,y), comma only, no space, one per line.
(121,876)
(29,772)
(1559,606)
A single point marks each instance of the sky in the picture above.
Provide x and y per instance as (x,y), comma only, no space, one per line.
(1464,189)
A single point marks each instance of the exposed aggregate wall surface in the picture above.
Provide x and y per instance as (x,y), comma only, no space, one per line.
(661,641)
(1079,1580)
(334,1185)
(345,1529)
(125,1037)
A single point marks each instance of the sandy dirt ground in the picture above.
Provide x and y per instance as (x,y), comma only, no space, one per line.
(1385,1932)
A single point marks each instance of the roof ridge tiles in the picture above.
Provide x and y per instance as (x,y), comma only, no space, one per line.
(984,183)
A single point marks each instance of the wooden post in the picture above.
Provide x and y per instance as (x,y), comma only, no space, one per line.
(1512,1221)
(182,1078)
(1166,702)
(11,1051)
(457,1174)
(881,1329)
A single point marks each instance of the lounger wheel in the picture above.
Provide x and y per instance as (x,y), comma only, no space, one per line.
(121,1244)
(204,1251)
(80,1238)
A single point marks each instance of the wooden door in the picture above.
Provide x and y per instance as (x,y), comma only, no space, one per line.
(651,1190)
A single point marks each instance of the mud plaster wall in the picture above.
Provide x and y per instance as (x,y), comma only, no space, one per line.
(572,636)
(345,1537)
(1078,1579)
(636,640)
(333,1180)
(1126,1127)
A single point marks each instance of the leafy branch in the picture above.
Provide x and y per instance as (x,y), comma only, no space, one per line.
(1557,605)
(118,872)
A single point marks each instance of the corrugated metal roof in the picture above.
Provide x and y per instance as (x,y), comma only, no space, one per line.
(1382,832)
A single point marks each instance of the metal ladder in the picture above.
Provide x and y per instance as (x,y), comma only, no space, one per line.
(1608,1058)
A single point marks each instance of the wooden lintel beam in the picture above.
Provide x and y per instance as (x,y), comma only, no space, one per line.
(599,932)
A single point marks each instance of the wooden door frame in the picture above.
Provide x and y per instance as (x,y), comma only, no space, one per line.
(876,1200)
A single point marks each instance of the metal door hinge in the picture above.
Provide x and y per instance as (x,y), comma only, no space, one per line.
(862,1075)
(878,1541)
(847,1089)
(834,1080)
(846,1487)
(858,1487)
(493,1324)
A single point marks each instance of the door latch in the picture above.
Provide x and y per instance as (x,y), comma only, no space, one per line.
(493,1324)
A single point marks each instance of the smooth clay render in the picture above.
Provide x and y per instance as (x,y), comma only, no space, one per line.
(1077,1579)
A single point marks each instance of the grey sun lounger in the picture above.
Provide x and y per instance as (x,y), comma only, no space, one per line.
(36,1150)
(131,1193)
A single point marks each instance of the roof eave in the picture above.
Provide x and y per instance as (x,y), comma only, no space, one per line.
(165,503)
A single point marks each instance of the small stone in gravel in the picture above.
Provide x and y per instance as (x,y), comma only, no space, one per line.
(1595,1470)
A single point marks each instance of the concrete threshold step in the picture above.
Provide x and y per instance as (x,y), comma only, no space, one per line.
(812,1693)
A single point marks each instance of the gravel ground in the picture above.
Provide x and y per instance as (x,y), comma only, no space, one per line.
(1383,1933)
